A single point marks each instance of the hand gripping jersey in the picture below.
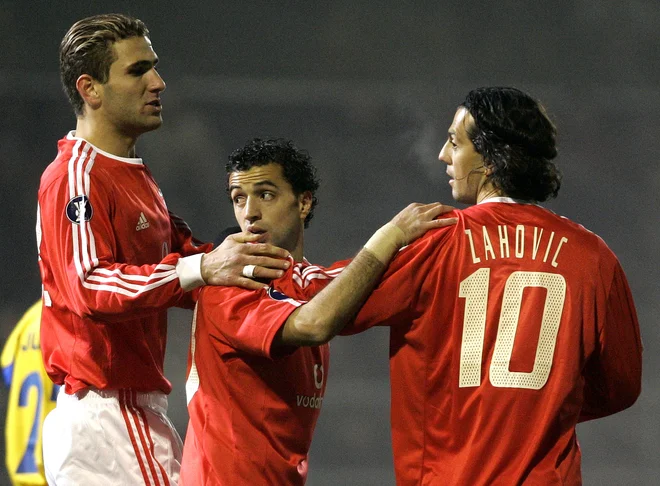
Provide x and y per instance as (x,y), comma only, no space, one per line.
(252,408)
(31,396)
(108,251)
(507,329)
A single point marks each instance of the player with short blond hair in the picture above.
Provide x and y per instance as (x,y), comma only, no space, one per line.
(113,259)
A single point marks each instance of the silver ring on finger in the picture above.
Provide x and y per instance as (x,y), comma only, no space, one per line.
(248,271)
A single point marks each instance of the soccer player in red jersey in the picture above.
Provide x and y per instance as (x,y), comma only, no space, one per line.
(259,359)
(510,327)
(112,260)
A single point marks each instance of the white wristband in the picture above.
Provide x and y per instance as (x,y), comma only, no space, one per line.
(386,242)
(189,272)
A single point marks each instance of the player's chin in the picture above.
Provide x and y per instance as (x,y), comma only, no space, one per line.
(462,198)
(152,123)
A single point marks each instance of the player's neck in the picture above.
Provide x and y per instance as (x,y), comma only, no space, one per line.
(488,190)
(298,252)
(105,136)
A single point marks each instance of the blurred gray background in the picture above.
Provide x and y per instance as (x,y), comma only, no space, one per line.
(369,88)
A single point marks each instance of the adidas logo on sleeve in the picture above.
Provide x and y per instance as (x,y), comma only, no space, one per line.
(142,223)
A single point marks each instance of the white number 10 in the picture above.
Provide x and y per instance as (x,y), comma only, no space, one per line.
(475,291)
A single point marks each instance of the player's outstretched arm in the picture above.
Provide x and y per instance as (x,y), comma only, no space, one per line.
(224,265)
(330,310)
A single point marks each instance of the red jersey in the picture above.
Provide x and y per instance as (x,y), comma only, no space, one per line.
(252,408)
(110,261)
(507,329)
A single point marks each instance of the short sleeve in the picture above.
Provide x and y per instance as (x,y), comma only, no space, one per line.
(246,320)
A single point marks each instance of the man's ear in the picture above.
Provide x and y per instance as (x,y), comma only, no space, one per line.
(305,203)
(89,90)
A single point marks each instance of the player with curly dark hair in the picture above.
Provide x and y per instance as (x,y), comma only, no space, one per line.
(296,165)
(512,326)
(259,360)
(517,140)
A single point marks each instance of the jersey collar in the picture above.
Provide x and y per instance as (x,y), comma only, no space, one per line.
(504,199)
(130,160)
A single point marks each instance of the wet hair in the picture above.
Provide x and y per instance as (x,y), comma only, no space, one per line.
(87,49)
(296,165)
(517,140)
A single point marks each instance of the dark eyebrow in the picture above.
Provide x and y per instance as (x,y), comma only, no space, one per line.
(266,182)
(142,65)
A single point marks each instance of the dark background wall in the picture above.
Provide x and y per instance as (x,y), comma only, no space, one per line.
(369,88)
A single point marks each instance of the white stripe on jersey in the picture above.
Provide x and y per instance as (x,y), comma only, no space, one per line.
(167,270)
(74,156)
(192,380)
(128,293)
(315,269)
(168,277)
(82,179)
(84,244)
(312,272)
(92,242)
(298,280)
(74,227)
(307,280)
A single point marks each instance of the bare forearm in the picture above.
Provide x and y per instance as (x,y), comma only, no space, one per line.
(328,312)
